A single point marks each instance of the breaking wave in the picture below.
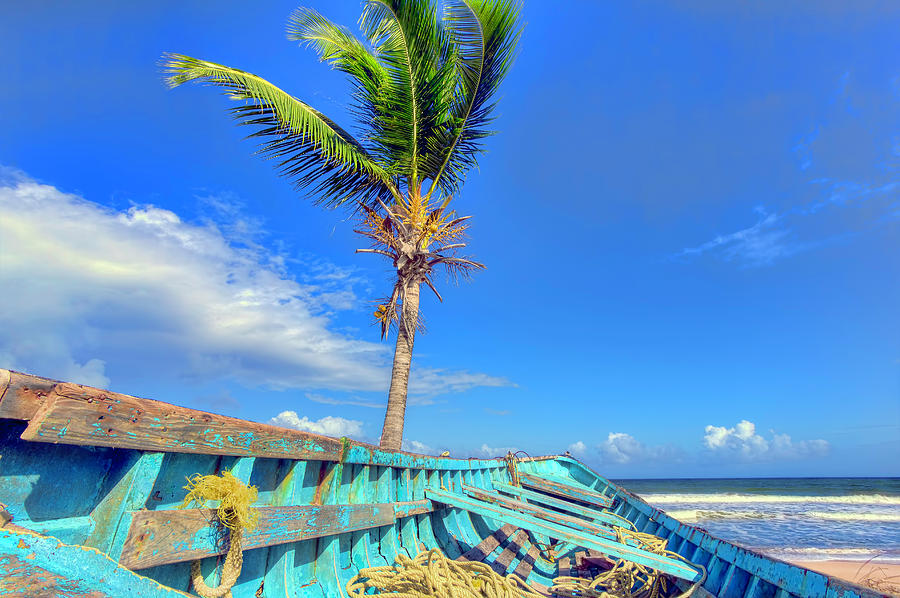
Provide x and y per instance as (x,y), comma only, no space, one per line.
(697,515)
(853,516)
(837,553)
(849,499)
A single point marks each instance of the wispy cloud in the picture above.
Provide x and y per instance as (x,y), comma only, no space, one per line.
(100,290)
(846,192)
(317,398)
(621,448)
(218,401)
(758,245)
(427,383)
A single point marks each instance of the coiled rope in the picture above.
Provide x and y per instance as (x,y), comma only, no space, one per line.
(234,513)
(431,574)
(626,579)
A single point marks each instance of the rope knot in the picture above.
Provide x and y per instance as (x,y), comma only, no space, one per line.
(233,513)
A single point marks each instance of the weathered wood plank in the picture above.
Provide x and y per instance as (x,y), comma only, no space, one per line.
(21,394)
(523,569)
(557,503)
(535,511)
(75,414)
(65,413)
(41,566)
(607,546)
(565,567)
(487,545)
(505,559)
(172,536)
(566,490)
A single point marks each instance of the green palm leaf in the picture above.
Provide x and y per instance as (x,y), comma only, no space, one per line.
(313,151)
(411,44)
(486,33)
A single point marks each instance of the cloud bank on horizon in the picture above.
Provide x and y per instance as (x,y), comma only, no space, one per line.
(740,443)
(97,288)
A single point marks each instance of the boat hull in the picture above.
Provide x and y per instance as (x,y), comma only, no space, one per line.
(92,481)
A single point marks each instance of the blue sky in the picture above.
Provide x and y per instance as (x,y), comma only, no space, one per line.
(690,221)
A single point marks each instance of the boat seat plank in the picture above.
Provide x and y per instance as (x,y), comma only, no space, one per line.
(171,536)
(488,545)
(523,569)
(555,517)
(505,559)
(565,505)
(565,489)
(565,567)
(610,547)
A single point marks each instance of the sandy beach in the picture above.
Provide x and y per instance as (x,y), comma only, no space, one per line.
(881,577)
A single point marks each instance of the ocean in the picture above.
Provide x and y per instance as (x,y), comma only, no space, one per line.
(793,519)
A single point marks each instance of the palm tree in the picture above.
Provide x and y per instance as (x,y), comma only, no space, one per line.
(424,89)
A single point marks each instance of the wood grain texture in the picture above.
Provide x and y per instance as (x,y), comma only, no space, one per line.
(488,545)
(566,490)
(172,536)
(523,569)
(145,424)
(75,414)
(505,558)
(22,394)
(535,511)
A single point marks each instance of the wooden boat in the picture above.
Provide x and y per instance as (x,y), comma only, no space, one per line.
(90,482)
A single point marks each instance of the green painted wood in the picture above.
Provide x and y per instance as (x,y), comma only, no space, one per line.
(593,514)
(606,546)
(565,489)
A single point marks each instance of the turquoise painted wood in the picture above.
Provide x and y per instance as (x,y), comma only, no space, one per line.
(537,497)
(92,479)
(602,543)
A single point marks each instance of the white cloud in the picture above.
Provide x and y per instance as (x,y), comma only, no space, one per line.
(578,448)
(620,447)
(742,442)
(99,290)
(495,451)
(414,446)
(328,425)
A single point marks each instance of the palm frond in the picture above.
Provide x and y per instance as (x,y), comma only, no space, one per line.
(486,33)
(313,151)
(336,45)
(412,46)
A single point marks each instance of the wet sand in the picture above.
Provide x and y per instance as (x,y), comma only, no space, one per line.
(881,577)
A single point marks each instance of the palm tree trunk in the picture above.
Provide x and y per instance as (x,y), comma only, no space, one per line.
(394,418)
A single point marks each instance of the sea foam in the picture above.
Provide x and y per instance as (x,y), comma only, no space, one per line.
(849,499)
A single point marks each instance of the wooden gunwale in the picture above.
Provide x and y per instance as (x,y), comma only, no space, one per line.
(66,413)
(325,474)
